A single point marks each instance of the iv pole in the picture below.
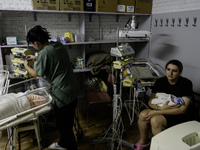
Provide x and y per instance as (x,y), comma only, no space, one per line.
(112,137)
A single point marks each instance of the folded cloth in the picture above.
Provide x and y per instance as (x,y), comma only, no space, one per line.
(141,147)
(161,98)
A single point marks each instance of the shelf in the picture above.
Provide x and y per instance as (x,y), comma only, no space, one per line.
(107,41)
(81,70)
(82,29)
(11,46)
(90,42)
(75,12)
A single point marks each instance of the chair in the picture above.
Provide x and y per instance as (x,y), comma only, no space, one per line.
(97,98)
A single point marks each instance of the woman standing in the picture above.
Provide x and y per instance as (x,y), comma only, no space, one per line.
(54,64)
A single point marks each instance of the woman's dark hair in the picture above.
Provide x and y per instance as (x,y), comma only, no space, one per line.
(177,63)
(38,34)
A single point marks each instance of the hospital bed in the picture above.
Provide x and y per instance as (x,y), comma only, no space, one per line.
(27,93)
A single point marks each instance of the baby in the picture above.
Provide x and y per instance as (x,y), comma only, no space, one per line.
(36,100)
(161,99)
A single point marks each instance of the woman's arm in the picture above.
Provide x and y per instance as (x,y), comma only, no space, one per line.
(153,106)
(156,106)
(31,57)
(168,110)
(30,70)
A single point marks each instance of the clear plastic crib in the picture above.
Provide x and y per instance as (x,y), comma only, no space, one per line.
(34,86)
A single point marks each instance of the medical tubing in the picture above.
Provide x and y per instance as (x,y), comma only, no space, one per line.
(114,127)
(117,123)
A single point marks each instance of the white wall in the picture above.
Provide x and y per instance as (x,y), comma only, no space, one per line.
(163,6)
(177,42)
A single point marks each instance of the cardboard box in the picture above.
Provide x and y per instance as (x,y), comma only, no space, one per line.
(71,5)
(89,5)
(126,6)
(46,4)
(106,5)
(143,6)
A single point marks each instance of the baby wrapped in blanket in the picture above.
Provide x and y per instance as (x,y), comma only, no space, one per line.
(12,103)
(162,98)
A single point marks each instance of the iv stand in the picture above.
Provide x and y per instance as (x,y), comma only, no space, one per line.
(116,114)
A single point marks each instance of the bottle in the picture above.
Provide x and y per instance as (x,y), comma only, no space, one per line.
(133,23)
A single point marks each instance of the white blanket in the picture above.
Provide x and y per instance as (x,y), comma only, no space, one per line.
(161,99)
(10,104)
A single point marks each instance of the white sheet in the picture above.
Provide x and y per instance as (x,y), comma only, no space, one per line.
(11,104)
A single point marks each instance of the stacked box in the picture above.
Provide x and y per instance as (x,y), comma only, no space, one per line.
(126,6)
(143,6)
(46,4)
(71,5)
(16,4)
(106,5)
